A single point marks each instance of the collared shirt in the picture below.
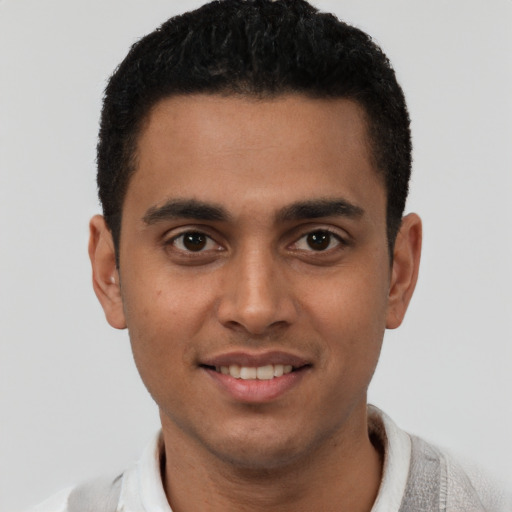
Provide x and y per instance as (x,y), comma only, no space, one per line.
(141,487)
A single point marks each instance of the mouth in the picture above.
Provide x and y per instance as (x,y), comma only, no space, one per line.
(266,372)
(256,378)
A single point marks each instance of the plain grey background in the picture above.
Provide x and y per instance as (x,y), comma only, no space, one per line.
(72,405)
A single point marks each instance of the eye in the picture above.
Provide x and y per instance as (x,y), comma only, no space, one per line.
(319,240)
(193,241)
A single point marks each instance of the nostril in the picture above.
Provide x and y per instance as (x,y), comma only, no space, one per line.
(257,331)
(256,303)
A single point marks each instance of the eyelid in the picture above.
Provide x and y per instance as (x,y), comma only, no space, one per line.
(334,243)
(341,235)
(172,235)
(208,243)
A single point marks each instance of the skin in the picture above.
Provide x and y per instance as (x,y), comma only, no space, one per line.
(256,286)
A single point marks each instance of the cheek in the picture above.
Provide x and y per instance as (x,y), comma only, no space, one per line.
(159,301)
(349,313)
(161,324)
(162,316)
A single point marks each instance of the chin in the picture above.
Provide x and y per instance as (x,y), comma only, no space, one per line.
(261,449)
(254,460)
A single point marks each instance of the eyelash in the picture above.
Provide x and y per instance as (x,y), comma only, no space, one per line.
(332,236)
(190,233)
(341,242)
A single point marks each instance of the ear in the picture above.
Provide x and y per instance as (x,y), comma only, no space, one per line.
(105,276)
(404,273)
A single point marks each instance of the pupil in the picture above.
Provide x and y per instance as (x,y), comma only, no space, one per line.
(194,241)
(319,240)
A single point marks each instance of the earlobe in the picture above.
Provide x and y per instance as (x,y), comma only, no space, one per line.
(105,277)
(404,274)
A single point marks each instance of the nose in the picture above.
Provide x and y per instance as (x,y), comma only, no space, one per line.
(256,296)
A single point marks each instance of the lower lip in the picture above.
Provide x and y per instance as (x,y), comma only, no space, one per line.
(257,391)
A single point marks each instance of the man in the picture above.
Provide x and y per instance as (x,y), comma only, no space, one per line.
(253,167)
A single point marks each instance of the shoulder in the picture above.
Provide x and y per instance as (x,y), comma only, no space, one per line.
(99,495)
(492,492)
(456,485)
(56,503)
(420,477)
(138,488)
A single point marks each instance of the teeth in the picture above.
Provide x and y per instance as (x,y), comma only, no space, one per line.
(267,372)
(278,370)
(247,373)
(234,371)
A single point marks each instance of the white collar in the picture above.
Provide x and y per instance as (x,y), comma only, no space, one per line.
(142,487)
(397,457)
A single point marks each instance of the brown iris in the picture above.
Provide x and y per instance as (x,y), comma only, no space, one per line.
(193,241)
(319,240)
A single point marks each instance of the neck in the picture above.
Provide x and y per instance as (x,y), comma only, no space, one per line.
(343,474)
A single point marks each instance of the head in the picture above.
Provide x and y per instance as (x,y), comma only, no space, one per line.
(253,166)
(257,49)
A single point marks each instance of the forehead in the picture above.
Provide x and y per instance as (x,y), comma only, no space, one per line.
(238,150)
(225,123)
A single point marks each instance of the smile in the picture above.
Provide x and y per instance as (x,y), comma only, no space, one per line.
(256,378)
(266,372)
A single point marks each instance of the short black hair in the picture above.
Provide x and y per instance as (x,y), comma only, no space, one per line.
(262,49)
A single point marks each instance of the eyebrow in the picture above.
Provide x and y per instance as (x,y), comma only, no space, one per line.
(200,210)
(185,209)
(318,208)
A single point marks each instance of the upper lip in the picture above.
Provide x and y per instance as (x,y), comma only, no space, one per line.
(255,360)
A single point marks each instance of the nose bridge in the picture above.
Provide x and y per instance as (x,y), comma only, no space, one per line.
(255,295)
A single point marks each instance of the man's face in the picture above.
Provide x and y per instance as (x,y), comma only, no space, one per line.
(253,241)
